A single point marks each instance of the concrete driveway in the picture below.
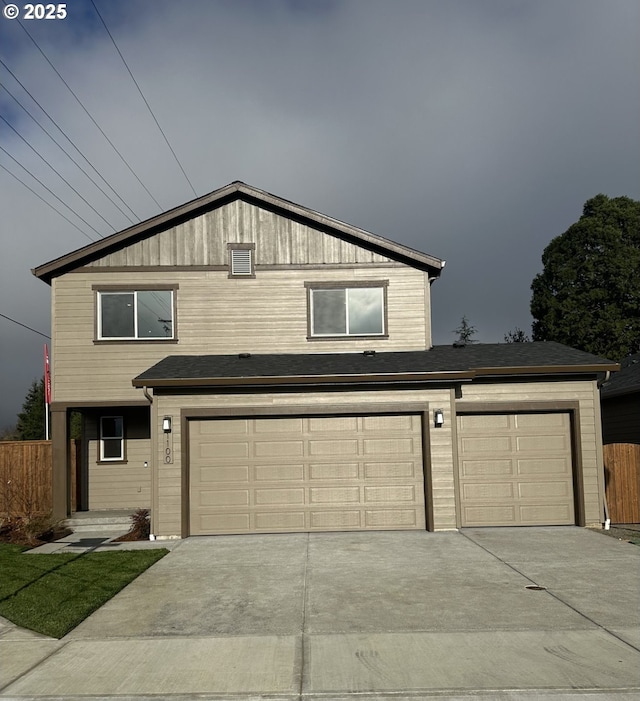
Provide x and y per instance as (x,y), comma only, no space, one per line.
(377,615)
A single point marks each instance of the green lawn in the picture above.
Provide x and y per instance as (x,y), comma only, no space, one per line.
(52,594)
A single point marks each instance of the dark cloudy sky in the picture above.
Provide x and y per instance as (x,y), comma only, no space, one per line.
(473,130)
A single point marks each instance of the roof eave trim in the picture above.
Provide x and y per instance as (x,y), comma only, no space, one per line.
(304,379)
(546,370)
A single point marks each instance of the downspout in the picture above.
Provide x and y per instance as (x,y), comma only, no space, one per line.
(607,519)
(149,398)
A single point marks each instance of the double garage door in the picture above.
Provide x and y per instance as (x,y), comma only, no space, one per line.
(300,474)
(306,474)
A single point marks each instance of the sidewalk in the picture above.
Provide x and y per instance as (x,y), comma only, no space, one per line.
(364,616)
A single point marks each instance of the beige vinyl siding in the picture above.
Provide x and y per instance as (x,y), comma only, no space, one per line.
(217,315)
(120,485)
(585,393)
(167,509)
(203,241)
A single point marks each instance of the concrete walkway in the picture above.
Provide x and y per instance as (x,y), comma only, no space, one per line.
(381,616)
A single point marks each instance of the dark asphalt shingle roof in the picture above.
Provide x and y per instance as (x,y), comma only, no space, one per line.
(440,362)
(627,381)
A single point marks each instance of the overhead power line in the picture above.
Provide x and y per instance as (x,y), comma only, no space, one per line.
(59,128)
(135,82)
(86,111)
(4,316)
(4,150)
(68,155)
(42,158)
(39,196)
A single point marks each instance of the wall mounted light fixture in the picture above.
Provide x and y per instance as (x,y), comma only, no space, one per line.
(166,424)
(438,418)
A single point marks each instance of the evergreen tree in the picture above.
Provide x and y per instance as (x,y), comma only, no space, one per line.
(31,420)
(465,333)
(588,294)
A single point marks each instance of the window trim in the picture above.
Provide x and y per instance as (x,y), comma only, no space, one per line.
(98,290)
(251,247)
(345,285)
(122,458)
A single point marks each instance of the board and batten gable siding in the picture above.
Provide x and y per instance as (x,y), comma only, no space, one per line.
(218,315)
(202,241)
(167,507)
(585,393)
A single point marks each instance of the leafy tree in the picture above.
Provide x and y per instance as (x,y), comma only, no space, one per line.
(588,294)
(465,332)
(31,420)
(516,336)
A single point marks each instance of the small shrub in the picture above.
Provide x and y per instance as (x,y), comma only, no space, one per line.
(140,526)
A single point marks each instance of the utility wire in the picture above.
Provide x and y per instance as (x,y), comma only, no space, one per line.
(52,120)
(113,41)
(22,182)
(42,158)
(4,316)
(52,193)
(113,146)
(69,156)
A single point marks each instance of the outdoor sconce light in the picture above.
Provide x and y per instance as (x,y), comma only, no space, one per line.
(438,418)
(166,424)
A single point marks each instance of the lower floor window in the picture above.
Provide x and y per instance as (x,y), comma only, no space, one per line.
(111,438)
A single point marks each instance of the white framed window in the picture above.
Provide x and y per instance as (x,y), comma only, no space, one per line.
(111,438)
(241,259)
(336,311)
(135,314)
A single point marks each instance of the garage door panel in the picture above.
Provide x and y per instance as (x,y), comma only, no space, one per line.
(221,449)
(348,424)
(292,426)
(494,491)
(542,444)
(392,470)
(333,471)
(550,466)
(231,473)
(529,484)
(335,520)
(324,476)
(486,468)
(546,490)
(279,496)
(489,444)
(390,495)
(278,472)
(398,518)
(389,446)
(223,497)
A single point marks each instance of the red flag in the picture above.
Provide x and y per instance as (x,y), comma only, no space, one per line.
(47,376)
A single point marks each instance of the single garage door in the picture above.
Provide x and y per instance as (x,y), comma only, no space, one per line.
(306,474)
(515,469)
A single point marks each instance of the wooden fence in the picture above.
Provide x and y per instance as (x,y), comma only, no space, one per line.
(25,477)
(622,480)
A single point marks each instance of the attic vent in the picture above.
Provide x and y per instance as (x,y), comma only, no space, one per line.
(240,262)
(369,352)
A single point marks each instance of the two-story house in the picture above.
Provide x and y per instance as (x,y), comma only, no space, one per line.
(245,364)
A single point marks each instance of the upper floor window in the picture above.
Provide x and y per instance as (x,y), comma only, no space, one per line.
(338,310)
(135,314)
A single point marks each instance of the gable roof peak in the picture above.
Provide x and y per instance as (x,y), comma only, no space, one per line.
(228,193)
